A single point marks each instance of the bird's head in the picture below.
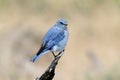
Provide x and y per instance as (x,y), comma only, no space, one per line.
(62,23)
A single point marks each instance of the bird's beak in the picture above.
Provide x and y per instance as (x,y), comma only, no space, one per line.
(66,24)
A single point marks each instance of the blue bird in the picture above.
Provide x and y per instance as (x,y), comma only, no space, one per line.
(55,39)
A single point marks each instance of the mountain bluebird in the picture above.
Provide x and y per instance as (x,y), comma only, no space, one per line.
(55,39)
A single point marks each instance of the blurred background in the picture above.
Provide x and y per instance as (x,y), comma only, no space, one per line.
(93,49)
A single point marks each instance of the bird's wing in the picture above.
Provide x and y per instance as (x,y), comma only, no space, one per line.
(52,37)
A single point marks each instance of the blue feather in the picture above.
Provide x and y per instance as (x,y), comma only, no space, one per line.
(34,58)
(38,56)
(53,37)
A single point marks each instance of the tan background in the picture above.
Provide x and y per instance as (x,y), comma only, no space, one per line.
(93,49)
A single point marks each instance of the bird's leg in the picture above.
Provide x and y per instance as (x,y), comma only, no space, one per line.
(61,52)
(58,53)
(54,54)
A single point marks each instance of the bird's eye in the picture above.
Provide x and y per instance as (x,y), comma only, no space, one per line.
(61,23)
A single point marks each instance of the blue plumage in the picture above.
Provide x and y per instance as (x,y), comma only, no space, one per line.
(37,56)
(55,39)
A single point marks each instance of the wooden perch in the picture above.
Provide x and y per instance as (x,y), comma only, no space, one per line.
(50,72)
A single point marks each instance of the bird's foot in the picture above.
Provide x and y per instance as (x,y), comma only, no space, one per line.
(54,54)
(57,54)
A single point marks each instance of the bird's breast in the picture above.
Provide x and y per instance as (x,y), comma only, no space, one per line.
(61,45)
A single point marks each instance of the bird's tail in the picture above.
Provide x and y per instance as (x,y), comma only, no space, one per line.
(38,56)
